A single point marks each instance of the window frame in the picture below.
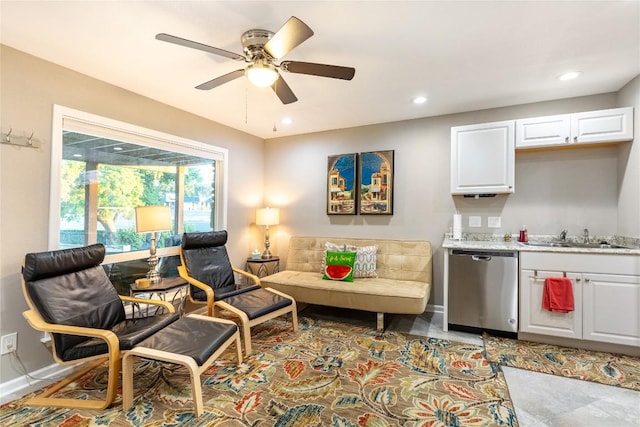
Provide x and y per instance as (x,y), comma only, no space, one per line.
(65,118)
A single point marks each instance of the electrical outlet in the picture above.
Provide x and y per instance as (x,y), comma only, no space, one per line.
(475,221)
(494,222)
(9,343)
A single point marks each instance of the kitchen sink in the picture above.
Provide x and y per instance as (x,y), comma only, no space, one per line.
(597,245)
(594,245)
(547,244)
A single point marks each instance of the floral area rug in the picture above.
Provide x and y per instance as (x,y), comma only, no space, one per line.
(326,374)
(604,368)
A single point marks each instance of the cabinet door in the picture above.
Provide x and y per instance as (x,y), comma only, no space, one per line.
(602,126)
(482,158)
(537,320)
(611,310)
(543,131)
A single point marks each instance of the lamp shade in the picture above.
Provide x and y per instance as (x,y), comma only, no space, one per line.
(267,216)
(153,218)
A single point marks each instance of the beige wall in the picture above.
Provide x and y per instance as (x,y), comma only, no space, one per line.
(629,167)
(29,88)
(570,189)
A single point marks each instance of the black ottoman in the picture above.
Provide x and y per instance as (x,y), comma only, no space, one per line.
(194,341)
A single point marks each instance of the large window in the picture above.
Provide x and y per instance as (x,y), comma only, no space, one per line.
(102,169)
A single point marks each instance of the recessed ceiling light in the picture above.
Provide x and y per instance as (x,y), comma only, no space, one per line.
(117,148)
(419,100)
(287,121)
(77,155)
(570,75)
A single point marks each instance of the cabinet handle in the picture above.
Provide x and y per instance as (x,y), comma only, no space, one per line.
(587,279)
(575,139)
(566,139)
(578,279)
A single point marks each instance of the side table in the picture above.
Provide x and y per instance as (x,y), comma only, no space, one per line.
(174,288)
(263,266)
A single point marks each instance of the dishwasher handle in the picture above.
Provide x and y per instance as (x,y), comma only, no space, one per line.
(481,257)
(484,254)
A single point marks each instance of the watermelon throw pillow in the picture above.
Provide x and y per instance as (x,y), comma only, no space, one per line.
(339,266)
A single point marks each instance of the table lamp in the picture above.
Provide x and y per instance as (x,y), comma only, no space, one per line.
(152,219)
(267,217)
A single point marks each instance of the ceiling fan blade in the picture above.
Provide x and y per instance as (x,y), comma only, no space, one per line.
(195,45)
(322,70)
(290,35)
(284,92)
(221,80)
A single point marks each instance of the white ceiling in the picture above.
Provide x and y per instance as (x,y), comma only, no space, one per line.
(463,56)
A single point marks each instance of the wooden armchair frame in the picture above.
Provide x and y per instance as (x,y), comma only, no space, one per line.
(113,356)
(245,323)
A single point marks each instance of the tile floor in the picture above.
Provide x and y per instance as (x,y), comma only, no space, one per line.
(540,400)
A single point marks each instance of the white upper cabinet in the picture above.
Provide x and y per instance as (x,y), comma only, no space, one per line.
(543,131)
(592,127)
(602,126)
(482,158)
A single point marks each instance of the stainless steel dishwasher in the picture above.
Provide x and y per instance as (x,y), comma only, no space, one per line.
(483,291)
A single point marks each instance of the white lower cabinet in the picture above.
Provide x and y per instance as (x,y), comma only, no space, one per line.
(607,306)
(611,308)
(537,320)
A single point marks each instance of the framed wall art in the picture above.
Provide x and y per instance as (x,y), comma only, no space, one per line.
(341,184)
(376,183)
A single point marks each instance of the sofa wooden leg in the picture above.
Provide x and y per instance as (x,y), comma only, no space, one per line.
(380,321)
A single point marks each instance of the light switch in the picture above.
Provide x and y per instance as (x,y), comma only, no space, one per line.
(475,221)
(494,222)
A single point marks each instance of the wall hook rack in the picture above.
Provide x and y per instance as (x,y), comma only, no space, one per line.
(11,138)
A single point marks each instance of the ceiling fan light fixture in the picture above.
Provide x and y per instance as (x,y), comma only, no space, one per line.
(262,75)
(262,52)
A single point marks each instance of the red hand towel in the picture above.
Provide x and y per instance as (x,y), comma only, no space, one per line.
(557,295)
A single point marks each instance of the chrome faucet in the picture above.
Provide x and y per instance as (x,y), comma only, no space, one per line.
(563,235)
(586,235)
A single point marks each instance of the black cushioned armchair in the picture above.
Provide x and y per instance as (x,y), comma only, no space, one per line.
(71,297)
(207,268)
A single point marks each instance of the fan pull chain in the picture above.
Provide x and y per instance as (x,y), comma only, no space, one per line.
(246,105)
(275,88)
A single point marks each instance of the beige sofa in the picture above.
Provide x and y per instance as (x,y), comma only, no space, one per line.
(403,285)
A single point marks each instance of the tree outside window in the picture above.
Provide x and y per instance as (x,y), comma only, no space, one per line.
(103,180)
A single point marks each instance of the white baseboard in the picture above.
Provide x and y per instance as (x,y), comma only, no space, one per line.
(20,386)
(435,308)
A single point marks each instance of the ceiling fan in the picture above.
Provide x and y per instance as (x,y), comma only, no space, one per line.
(262,51)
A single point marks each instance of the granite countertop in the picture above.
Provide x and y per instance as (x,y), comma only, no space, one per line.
(497,243)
